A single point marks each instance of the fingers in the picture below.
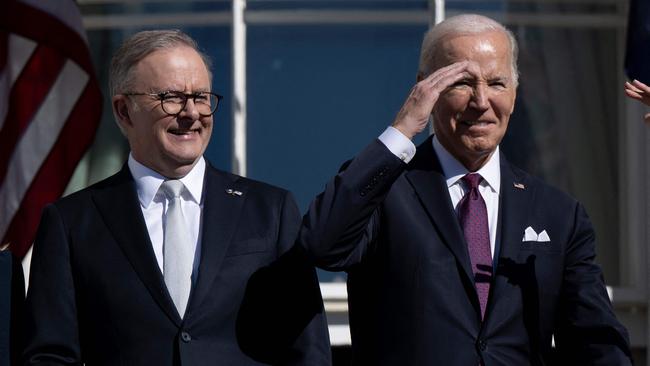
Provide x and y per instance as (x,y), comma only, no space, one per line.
(633,94)
(630,88)
(445,76)
(638,90)
(414,114)
(452,68)
(641,86)
(431,87)
(641,92)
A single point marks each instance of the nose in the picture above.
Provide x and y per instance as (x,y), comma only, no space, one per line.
(479,99)
(189,111)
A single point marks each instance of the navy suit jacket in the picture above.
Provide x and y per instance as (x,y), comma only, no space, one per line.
(97,295)
(412,299)
(12,296)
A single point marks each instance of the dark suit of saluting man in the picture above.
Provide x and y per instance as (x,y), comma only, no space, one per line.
(153,265)
(454,256)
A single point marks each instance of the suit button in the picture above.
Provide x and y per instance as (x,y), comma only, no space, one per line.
(186,337)
(482,345)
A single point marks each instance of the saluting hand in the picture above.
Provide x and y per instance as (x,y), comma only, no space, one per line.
(414,114)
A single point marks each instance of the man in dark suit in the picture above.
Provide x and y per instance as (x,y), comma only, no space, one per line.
(12,296)
(154,265)
(456,257)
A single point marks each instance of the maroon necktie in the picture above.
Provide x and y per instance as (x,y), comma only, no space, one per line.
(474,221)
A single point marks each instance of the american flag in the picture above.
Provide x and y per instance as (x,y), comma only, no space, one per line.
(50,106)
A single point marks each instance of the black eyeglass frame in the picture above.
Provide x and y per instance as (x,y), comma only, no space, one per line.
(160,96)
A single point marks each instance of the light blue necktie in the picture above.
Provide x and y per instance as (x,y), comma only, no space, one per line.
(177,253)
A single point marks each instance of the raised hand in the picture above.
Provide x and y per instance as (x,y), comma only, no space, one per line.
(639,91)
(414,114)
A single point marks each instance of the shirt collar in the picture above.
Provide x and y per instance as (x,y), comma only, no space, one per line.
(148,181)
(454,170)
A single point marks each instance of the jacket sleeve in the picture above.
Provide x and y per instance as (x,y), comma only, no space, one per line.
(51,327)
(343,221)
(588,332)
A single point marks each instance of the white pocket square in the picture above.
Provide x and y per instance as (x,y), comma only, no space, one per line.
(531,235)
(543,237)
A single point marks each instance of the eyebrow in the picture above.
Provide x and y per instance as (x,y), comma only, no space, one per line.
(179,91)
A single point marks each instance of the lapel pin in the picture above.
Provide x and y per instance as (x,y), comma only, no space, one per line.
(233,192)
(519,185)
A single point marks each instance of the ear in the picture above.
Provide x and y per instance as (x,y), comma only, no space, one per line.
(514,100)
(121,112)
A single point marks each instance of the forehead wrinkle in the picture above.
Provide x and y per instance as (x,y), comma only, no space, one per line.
(185,81)
(176,69)
(496,48)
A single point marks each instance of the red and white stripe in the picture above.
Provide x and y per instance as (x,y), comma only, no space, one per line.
(50,106)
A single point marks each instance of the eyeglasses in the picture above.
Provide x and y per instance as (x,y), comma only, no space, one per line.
(173,102)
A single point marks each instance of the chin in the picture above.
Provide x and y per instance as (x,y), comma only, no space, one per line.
(478,149)
(183,159)
(481,145)
(482,153)
(188,160)
(185,153)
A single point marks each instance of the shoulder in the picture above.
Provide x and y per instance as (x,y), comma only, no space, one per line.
(80,200)
(263,204)
(543,191)
(234,184)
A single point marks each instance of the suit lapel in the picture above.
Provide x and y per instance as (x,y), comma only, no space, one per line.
(221,213)
(119,206)
(516,198)
(426,177)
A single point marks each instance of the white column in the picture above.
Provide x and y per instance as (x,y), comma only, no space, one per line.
(239,87)
(439,15)
(437,10)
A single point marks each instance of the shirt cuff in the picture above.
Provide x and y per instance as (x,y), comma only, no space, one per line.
(398,144)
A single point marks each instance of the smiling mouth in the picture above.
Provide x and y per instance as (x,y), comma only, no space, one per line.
(183,132)
(475,123)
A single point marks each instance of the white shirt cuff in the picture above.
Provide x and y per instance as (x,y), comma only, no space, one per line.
(398,144)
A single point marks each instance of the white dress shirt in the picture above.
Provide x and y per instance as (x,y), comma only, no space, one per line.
(154,205)
(453,170)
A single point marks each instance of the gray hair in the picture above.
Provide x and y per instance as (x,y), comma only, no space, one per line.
(139,46)
(464,24)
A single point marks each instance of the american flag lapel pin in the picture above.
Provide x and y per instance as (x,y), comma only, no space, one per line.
(519,185)
(233,192)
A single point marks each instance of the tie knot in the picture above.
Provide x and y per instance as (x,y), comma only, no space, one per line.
(172,188)
(472,180)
